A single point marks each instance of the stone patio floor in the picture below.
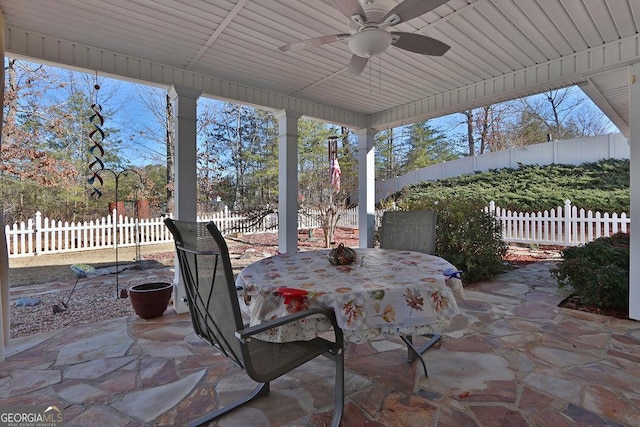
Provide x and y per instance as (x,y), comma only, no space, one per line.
(514,358)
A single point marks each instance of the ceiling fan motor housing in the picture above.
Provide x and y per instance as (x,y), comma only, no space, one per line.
(374,13)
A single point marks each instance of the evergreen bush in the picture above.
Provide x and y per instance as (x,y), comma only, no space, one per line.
(466,236)
(598,272)
(601,186)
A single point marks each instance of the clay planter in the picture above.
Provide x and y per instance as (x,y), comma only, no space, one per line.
(150,300)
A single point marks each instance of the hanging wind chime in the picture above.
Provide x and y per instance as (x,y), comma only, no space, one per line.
(95,181)
(96,137)
(334,166)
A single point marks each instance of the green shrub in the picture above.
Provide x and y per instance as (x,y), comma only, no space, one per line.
(466,236)
(601,186)
(598,272)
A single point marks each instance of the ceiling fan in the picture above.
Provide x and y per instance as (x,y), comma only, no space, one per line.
(368,35)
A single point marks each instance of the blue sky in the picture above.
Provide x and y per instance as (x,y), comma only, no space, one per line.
(143,131)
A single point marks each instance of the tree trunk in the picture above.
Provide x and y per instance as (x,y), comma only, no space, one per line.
(170,155)
(485,129)
(238,202)
(472,144)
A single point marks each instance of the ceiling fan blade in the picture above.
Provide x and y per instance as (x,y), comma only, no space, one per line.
(418,43)
(410,9)
(317,41)
(356,65)
(349,8)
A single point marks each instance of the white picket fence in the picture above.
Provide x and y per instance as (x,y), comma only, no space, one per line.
(46,236)
(565,226)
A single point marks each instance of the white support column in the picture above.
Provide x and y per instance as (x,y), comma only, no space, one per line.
(634,190)
(288,181)
(185,114)
(366,186)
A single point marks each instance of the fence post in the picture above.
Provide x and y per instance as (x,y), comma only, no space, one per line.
(492,208)
(567,222)
(38,233)
(611,152)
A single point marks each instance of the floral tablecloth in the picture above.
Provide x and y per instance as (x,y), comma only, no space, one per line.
(384,291)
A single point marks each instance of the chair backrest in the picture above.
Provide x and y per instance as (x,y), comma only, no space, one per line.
(409,230)
(205,267)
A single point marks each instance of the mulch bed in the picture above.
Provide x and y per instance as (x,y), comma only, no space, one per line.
(269,241)
(520,256)
(573,302)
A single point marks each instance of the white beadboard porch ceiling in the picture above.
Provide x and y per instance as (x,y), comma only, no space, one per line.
(228,49)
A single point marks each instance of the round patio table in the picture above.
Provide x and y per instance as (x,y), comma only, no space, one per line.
(383,292)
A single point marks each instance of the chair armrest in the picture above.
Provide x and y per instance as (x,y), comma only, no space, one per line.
(247,333)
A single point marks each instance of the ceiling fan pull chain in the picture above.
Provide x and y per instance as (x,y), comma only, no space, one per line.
(379,75)
(370,82)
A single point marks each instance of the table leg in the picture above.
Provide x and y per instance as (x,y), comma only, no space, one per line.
(415,352)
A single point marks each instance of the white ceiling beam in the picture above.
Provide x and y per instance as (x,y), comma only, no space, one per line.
(236,9)
(592,91)
(58,52)
(554,74)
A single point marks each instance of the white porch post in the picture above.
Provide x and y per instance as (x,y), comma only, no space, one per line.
(184,109)
(366,186)
(287,181)
(634,190)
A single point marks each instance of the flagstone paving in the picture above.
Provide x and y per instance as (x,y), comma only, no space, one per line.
(513,358)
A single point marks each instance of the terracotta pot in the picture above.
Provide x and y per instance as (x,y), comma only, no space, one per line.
(150,300)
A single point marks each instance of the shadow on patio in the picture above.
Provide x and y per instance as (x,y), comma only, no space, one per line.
(514,358)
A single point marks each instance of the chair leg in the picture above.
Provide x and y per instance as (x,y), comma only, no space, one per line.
(415,352)
(261,390)
(339,386)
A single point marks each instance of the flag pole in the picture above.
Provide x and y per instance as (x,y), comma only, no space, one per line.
(333,155)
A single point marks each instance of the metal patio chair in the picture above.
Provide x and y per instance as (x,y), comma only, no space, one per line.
(211,294)
(411,231)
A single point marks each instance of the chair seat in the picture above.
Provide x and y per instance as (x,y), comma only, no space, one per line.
(269,360)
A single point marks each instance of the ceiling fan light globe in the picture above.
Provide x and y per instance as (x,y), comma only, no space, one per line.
(370,42)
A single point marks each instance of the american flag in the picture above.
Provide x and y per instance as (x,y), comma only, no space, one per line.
(335,174)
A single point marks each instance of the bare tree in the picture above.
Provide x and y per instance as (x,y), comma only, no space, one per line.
(26,166)
(486,126)
(470,140)
(588,120)
(170,141)
(551,111)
